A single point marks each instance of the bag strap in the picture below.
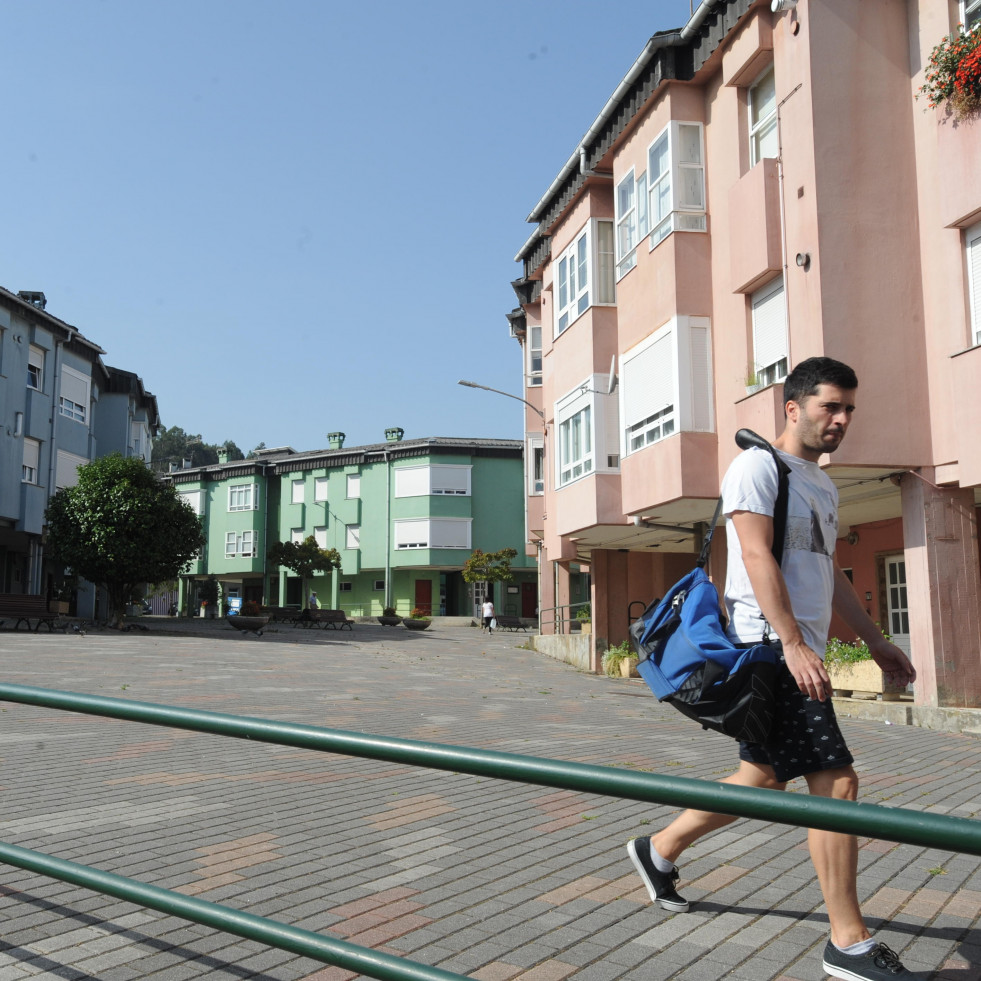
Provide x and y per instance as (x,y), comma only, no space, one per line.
(746,438)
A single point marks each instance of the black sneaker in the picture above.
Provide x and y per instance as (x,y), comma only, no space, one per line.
(879,964)
(660,885)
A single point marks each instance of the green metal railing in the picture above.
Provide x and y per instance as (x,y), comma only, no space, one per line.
(872,820)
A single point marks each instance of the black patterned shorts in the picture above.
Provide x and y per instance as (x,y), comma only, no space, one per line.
(805,737)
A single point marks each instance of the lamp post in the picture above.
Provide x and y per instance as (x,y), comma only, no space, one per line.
(541,415)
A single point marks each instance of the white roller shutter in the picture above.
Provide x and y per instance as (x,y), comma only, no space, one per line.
(769,325)
(648,380)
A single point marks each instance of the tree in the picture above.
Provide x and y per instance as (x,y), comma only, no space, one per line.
(489,566)
(304,558)
(175,446)
(119,526)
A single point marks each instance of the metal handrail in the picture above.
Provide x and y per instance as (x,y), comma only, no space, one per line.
(561,621)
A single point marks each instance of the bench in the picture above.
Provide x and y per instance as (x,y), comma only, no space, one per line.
(23,608)
(335,619)
(510,623)
(281,614)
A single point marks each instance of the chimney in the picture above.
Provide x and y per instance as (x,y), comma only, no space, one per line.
(186,464)
(394,435)
(35,298)
(336,440)
(223,455)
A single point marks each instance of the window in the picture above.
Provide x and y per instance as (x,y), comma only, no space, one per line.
(536,465)
(74,398)
(320,534)
(352,536)
(243,497)
(535,355)
(649,393)
(632,228)
(432,533)
(378,586)
(320,489)
(345,587)
(588,258)
(770,353)
(973,239)
(676,181)
(66,468)
(762,118)
(35,368)
(970,12)
(139,437)
(666,384)
(297,491)
(297,536)
(32,461)
(353,486)
(576,445)
(439,479)
(195,499)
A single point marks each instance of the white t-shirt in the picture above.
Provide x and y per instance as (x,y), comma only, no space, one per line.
(488,609)
(750,484)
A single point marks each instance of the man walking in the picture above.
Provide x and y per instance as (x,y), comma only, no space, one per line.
(794,602)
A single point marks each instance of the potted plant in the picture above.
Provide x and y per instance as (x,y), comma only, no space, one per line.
(208,596)
(417,620)
(61,595)
(853,672)
(753,383)
(584,617)
(249,617)
(389,617)
(620,661)
(953,76)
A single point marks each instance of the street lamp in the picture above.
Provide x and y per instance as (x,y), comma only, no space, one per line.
(486,388)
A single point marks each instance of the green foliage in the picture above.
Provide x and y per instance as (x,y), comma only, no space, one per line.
(119,526)
(489,566)
(418,613)
(304,558)
(841,652)
(389,611)
(175,446)
(208,591)
(585,613)
(953,76)
(615,656)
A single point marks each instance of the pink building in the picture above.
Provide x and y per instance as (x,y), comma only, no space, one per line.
(764,186)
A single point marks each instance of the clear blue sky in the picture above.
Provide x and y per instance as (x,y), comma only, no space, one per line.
(298,217)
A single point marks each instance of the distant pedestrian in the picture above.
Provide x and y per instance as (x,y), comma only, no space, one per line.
(312,603)
(488,613)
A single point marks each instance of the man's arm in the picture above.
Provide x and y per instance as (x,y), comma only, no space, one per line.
(849,607)
(755,533)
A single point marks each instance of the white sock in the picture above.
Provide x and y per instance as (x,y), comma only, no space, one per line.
(661,864)
(856,950)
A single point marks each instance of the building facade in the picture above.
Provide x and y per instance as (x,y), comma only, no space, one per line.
(404,515)
(60,407)
(764,186)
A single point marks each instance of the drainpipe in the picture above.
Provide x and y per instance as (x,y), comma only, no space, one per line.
(388,529)
(783,217)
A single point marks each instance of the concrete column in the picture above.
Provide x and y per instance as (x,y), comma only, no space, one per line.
(563,593)
(943,578)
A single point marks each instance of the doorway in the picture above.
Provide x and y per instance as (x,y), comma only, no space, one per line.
(897,605)
(424,596)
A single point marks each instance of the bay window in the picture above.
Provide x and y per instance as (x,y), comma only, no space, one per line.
(763,118)
(676,181)
(584,273)
(973,240)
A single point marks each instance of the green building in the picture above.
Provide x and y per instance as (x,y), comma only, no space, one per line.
(405,515)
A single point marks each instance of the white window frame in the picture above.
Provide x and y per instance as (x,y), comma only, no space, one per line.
(231,544)
(320,535)
(195,499)
(31,466)
(297,491)
(534,354)
(970,13)
(631,220)
(972,248)
(66,468)
(584,273)
(69,407)
(771,346)
(352,536)
(676,199)
(243,497)
(763,131)
(345,587)
(298,536)
(320,489)
(35,368)
(353,486)
(436,479)
(536,465)
(576,443)
(418,533)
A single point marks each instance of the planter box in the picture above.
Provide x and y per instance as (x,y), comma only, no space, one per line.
(416,624)
(628,668)
(58,606)
(863,680)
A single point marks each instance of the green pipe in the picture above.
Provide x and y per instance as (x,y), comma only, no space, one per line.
(385,967)
(873,820)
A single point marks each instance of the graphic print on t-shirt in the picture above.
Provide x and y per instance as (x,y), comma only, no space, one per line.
(809,533)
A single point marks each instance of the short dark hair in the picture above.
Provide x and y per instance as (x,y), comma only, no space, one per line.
(806,377)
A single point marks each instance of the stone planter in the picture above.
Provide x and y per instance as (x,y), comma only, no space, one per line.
(253,625)
(389,621)
(863,679)
(628,667)
(416,624)
(585,626)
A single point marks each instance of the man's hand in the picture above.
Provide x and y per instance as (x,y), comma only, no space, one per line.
(808,671)
(894,663)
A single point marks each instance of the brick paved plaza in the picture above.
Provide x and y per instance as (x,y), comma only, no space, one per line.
(491,880)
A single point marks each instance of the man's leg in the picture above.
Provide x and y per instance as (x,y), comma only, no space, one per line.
(691,825)
(835,858)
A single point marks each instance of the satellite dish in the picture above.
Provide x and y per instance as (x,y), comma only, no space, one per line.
(611,382)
